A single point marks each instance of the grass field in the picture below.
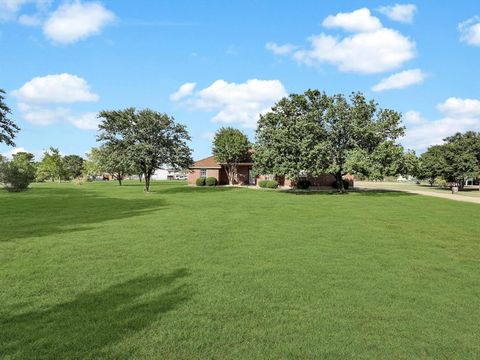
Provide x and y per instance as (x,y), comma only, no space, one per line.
(102,271)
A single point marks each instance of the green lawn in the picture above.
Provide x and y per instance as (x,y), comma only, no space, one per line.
(102,271)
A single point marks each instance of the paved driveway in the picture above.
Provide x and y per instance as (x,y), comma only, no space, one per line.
(400,187)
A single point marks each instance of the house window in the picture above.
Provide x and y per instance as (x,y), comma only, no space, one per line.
(203,173)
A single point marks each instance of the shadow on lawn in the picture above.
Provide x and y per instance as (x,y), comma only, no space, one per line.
(362,192)
(83,327)
(46,211)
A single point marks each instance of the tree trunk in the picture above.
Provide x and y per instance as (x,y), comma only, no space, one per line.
(339,178)
(140,177)
(146,188)
(119,180)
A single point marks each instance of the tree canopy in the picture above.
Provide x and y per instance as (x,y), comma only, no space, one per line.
(51,165)
(230,147)
(72,166)
(455,160)
(150,139)
(315,133)
(8,129)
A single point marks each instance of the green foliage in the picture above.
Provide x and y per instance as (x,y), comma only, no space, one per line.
(8,129)
(116,160)
(200,181)
(455,160)
(17,174)
(230,147)
(72,166)
(316,133)
(211,181)
(51,166)
(149,139)
(268,184)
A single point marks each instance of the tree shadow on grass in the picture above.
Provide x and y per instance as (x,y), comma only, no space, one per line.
(47,211)
(361,192)
(83,327)
(194,189)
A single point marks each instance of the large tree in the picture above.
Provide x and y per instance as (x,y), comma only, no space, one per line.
(315,133)
(152,139)
(51,165)
(462,156)
(72,166)
(8,129)
(230,147)
(432,164)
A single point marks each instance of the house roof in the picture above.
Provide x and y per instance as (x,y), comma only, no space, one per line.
(211,163)
(208,162)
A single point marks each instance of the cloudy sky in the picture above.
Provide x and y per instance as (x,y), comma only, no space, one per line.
(214,63)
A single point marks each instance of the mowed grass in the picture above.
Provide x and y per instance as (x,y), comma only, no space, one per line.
(102,271)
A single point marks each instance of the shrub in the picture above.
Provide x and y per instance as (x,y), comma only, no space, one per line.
(303,184)
(346,184)
(268,184)
(18,173)
(441,182)
(210,181)
(200,181)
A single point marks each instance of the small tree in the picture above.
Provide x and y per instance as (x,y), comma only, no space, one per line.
(17,174)
(116,160)
(230,147)
(151,139)
(51,166)
(72,166)
(8,129)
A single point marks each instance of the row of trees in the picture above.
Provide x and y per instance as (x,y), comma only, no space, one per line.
(457,159)
(315,133)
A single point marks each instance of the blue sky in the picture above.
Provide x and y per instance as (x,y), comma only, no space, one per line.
(63,61)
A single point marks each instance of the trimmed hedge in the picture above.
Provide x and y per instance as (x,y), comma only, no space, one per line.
(303,184)
(346,184)
(211,181)
(268,184)
(200,181)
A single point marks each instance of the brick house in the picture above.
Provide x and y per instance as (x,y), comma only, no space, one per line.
(209,167)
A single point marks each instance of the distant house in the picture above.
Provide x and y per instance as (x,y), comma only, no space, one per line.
(208,167)
(166,173)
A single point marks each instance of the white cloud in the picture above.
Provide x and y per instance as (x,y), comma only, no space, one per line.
(367,53)
(280,49)
(356,21)
(40,100)
(9,154)
(470,31)
(10,8)
(414,118)
(456,107)
(372,48)
(399,12)
(238,103)
(75,21)
(30,20)
(42,115)
(86,121)
(59,88)
(400,80)
(422,133)
(184,90)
